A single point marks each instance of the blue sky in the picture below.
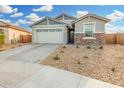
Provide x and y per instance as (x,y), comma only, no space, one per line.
(24,15)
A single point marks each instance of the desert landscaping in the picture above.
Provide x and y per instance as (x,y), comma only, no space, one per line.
(99,62)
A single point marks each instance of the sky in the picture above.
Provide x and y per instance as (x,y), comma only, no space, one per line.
(25,15)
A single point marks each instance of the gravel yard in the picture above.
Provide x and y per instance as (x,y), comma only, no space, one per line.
(103,63)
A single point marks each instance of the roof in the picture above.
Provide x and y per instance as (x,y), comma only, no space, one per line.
(44,19)
(64,14)
(93,15)
(5,24)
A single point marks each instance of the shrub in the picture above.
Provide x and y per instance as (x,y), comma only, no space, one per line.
(64,46)
(20,45)
(56,57)
(1,39)
(62,51)
(94,48)
(85,56)
(13,47)
(101,47)
(113,69)
(77,46)
(88,47)
(78,62)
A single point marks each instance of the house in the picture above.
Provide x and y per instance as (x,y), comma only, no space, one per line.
(63,29)
(12,33)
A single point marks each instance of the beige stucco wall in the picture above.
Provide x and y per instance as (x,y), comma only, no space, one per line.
(16,33)
(99,24)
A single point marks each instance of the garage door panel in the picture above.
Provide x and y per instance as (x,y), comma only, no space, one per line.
(50,36)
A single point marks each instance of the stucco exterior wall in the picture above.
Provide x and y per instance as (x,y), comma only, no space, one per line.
(99,24)
(13,33)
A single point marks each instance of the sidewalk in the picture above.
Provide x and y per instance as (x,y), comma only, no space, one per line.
(49,77)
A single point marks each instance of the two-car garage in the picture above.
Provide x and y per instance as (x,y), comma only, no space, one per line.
(49,36)
(48,30)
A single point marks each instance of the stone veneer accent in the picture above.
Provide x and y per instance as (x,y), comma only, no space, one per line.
(98,39)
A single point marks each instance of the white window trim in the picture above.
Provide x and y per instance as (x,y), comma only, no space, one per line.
(89,23)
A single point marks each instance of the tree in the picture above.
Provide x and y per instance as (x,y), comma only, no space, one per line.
(1,39)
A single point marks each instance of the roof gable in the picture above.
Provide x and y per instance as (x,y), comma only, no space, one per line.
(64,17)
(92,15)
(47,21)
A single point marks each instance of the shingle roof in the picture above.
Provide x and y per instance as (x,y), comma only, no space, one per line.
(13,26)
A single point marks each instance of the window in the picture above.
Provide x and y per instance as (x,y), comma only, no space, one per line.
(88,29)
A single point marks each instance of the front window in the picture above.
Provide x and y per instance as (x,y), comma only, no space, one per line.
(88,29)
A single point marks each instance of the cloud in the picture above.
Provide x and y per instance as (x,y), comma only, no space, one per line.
(15,10)
(81,13)
(17,14)
(7,9)
(23,21)
(114,28)
(33,17)
(116,15)
(16,23)
(6,20)
(44,8)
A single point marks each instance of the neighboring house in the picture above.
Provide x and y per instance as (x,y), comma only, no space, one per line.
(11,32)
(63,29)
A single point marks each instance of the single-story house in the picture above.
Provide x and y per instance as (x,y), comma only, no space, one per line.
(11,32)
(63,29)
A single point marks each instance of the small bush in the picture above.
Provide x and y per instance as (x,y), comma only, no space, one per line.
(56,57)
(78,62)
(113,69)
(85,56)
(12,47)
(88,47)
(64,46)
(2,37)
(95,48)
(77,46)
(62,51)
(20,45)
(101,47)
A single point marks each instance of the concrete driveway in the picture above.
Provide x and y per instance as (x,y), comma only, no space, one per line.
(19,68)
(29,53)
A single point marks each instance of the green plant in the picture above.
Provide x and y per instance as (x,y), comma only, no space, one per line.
(88,47)
(62,51)
(101,47)
(77,46)
(64,46)
(56,57)
(20,45)
(78,62)
(113,69)
(13,47)
(85,56)
(2,37)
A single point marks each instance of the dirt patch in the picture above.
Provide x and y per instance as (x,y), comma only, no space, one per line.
(10,46)
(106,64)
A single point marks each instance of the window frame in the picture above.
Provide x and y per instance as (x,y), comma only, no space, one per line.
(94,25)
